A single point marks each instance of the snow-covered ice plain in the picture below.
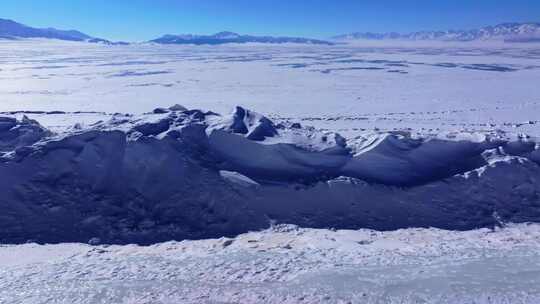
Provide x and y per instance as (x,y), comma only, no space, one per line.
(350,136)
(285,265)
(344,87)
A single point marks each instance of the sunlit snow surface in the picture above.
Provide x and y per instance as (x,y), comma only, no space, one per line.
(428,89)
(285,265)
(345,88)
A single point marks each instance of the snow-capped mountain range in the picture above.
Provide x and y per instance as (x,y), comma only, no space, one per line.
(10,29)
(231,37)
(508,32)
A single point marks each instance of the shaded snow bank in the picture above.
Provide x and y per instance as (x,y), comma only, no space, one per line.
(177,173)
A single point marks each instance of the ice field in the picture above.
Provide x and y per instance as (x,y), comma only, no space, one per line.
(349,173)
(426,86)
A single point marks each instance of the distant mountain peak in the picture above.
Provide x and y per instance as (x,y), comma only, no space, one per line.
(231,37)
(13,30)
(226,35)
(508,32)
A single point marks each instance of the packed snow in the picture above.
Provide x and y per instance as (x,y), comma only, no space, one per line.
(285,264)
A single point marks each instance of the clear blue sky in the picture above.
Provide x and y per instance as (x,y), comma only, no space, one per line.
(137,20)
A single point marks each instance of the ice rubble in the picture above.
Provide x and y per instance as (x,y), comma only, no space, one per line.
(177,173)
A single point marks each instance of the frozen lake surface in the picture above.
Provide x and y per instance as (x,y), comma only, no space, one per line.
(429,135)
(428,87)
(285,265)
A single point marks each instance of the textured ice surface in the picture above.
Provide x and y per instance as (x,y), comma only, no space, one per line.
(285,265)
(437,87)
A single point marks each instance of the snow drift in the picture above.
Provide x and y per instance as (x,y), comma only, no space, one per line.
(188,174)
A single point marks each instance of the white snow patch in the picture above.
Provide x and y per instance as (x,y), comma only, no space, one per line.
(285,265)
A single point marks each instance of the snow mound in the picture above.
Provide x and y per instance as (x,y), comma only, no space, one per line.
(252,125)
(406,162)
(178,173)
(16,135)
